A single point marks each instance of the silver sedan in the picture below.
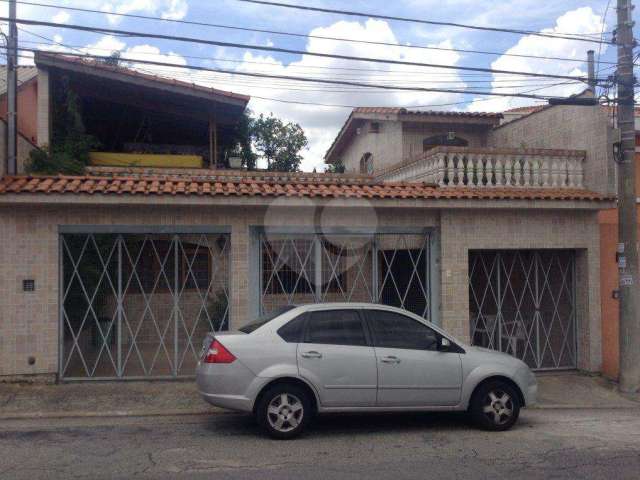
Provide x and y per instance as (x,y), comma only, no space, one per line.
(354,357)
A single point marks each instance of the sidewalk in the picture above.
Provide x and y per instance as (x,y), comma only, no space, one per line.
(109,399)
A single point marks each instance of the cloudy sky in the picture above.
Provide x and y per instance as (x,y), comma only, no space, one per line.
(321,123)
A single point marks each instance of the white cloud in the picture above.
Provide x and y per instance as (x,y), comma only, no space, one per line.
(581,20)
(61,17)
(168,9)
(321,123)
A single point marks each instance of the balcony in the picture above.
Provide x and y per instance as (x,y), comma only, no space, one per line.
(492,167)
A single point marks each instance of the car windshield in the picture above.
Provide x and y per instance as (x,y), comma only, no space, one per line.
(266,318)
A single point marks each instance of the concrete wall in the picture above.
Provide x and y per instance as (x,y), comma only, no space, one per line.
(386,146)
(567,127)
(462,231)
(24,147)
(27,109)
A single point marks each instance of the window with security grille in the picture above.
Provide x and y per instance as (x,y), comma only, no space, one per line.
(388,268)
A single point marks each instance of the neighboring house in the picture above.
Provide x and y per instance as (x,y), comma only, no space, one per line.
(118,273)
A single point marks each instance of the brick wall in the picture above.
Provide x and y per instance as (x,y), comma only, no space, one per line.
(468,230)
(30,249)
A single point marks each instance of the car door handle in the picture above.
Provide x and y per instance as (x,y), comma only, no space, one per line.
(390,359)
(311,354)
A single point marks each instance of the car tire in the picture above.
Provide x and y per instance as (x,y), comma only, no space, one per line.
(495,406)
(284,411)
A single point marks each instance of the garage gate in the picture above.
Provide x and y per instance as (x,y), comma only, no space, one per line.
(137,305)
(389,268)
(522,302)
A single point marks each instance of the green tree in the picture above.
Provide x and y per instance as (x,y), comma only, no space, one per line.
(279,143)
(334,168)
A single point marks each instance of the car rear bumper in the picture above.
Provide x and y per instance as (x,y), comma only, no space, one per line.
(225,385)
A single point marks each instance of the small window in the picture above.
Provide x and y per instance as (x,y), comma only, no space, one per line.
(292,331)
(266,318)
(366,164)
(374,127)
(447,139)
(392,330)
(336,327)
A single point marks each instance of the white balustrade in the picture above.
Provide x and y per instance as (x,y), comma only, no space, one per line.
(490,168)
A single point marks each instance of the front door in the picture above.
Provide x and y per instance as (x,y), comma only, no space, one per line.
(337,358)
(411,370)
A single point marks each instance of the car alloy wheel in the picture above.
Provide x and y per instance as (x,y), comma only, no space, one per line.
(285,412)
(495,405)
(498,407)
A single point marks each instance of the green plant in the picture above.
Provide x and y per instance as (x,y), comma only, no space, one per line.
(70,144)
(217,309)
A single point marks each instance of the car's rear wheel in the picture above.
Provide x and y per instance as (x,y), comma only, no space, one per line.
(284,411)
(495,405)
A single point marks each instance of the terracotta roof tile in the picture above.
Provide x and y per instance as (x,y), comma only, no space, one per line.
(330,187)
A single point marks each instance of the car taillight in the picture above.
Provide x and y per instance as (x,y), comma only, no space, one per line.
(218,354)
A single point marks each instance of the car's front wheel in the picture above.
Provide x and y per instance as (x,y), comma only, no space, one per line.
(495,405)
(284,411)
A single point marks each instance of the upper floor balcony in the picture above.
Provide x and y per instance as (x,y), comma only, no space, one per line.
(492,167)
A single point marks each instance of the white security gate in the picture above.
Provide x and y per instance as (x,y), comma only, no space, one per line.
(522,302)
(138,305)
(388,268)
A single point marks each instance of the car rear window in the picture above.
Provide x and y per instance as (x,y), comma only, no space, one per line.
(266,318)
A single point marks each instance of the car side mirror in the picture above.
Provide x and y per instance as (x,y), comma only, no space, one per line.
(444,344)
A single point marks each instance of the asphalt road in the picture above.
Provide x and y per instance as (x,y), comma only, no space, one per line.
(546,444)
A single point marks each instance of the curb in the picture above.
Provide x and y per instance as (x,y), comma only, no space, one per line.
(196,412)
(113,413)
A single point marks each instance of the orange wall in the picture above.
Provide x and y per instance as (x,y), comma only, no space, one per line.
(608,220)
(27,109)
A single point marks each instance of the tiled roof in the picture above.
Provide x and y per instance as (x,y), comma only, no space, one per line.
(99,65)
(443,113)
(527,109)
(24,74)
(329,187)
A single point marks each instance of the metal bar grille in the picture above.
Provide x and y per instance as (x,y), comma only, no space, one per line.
(138,305)
(389,268)
(522,302)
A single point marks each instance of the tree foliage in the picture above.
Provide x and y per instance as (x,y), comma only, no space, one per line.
(278,143)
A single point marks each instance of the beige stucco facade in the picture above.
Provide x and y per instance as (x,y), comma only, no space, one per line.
(30,225)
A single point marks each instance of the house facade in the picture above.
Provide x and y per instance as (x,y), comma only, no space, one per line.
(120,271)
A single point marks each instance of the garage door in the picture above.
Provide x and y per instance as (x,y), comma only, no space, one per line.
(522,302)
(139,305)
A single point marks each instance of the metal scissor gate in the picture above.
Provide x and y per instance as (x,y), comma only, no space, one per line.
(522,302)
(388,268)
(138,305)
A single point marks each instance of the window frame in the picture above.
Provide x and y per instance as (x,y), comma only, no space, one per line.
(367,315)
(365,328)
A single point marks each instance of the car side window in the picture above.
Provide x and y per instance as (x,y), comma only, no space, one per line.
(292,331)
(335,327)
(393,330)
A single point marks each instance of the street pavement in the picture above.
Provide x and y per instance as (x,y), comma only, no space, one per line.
(546,444)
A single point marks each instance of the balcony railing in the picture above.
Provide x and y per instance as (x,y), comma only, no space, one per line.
(492,167)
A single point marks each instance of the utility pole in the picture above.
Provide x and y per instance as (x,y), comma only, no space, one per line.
(627,208)
(591,78)
(12,91)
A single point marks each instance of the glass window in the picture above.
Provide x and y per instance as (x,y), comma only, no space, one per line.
(392,330)
(266,318)
(292,331)
(336,327)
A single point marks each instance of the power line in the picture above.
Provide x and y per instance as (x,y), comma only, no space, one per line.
(302,35)
(317,80)
(286,50)
(527,82)
(567,36)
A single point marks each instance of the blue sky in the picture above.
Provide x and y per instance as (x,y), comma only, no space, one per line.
(322,123)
